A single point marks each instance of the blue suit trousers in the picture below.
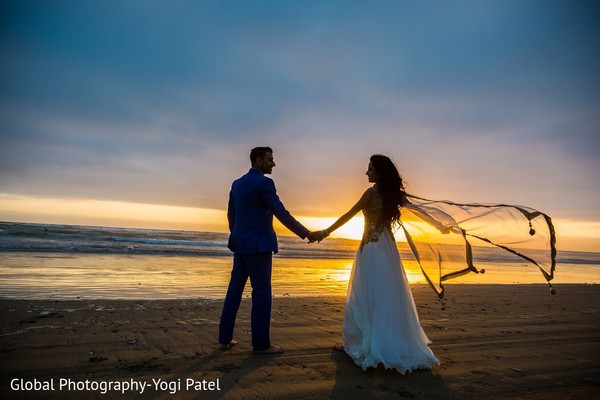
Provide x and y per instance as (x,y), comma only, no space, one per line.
(258,268)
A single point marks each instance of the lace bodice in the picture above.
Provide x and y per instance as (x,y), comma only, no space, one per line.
(374,227)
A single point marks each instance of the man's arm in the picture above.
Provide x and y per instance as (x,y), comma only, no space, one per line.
(270,195)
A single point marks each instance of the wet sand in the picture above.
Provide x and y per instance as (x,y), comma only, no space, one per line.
(493,341)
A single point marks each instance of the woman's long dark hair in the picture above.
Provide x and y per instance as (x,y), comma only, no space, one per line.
(389,183)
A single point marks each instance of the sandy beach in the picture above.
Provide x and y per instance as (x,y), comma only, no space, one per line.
(493,341)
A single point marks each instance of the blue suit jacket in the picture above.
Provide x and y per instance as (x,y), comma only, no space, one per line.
(253,201)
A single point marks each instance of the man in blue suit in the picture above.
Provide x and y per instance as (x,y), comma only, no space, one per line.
(253,202)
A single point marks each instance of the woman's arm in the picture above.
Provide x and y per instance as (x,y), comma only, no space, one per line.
(360,205)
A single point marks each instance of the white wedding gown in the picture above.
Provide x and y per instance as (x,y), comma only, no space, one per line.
(381,324)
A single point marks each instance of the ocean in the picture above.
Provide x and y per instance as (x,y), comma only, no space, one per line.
(43,261)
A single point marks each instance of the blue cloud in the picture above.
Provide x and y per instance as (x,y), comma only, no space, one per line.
(135,96)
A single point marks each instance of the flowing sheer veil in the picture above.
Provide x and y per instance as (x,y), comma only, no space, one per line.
(440,234)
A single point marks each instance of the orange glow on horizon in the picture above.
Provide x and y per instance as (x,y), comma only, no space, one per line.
(353,229)
(571,234)
(110,213)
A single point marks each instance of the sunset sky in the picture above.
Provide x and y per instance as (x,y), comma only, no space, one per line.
(142,113)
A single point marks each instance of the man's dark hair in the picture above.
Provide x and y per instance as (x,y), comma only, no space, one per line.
(259,152)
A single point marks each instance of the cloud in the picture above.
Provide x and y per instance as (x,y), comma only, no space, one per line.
(161,104)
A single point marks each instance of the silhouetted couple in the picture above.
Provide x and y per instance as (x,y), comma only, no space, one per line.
(381,324)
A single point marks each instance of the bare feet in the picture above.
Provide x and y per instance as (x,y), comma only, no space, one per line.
(339,347)
(229,345)
(271,350)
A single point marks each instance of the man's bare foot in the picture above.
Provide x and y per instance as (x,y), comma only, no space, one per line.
(229,345)
(271,350)
(339,347)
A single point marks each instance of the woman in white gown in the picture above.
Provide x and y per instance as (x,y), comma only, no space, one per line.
(381,325)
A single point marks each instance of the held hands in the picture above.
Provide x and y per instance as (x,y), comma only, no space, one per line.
(317,236)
